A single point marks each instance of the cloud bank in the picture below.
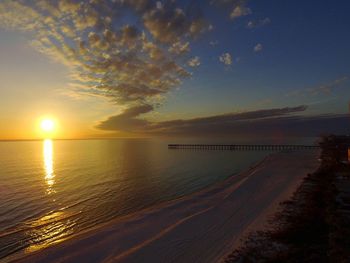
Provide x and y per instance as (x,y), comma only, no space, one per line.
(269,123)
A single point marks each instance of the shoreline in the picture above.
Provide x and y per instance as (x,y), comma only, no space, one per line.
(128,237)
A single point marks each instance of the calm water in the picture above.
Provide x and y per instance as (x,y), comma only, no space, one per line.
(50,190)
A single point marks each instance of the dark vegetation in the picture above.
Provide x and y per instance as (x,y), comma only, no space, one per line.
(314,225)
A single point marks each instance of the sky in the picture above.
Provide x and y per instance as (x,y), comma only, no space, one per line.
(136,68)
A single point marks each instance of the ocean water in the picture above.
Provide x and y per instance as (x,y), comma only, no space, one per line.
(51,190)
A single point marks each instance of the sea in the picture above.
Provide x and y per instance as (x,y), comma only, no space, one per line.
(51,190)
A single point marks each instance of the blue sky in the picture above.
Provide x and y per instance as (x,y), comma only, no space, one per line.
(304,46)
(278,54)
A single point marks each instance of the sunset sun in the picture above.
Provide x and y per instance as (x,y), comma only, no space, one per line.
(47,125)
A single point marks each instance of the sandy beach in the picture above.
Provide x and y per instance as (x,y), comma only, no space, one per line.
(202,227)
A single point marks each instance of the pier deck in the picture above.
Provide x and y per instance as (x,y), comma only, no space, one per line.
(246,147)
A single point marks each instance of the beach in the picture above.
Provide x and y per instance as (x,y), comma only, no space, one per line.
(202,227)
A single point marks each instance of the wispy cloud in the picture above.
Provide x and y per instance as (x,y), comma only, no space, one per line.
(323,89)
(329,87)
(226,58)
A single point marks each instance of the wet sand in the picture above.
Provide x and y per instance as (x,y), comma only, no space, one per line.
(202,227)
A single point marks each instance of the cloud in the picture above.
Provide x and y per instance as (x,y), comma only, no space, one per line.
(258,23)
(127,62)
(127,121)
(304,126)
(267,123)
(170,23)
(226,58)
(194,62)
(237,8)
(239,11)
(119,122)
(179,48)
(258,48)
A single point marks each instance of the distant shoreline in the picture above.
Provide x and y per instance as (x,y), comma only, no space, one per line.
(133,235)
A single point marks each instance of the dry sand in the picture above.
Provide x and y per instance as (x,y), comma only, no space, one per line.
(202,227)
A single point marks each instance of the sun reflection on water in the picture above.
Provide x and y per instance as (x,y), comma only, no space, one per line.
(55,226)
(48,165)
(48,230)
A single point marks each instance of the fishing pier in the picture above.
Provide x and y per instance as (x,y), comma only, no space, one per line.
(241,147)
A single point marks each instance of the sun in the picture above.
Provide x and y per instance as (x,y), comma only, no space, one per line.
(47,125)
